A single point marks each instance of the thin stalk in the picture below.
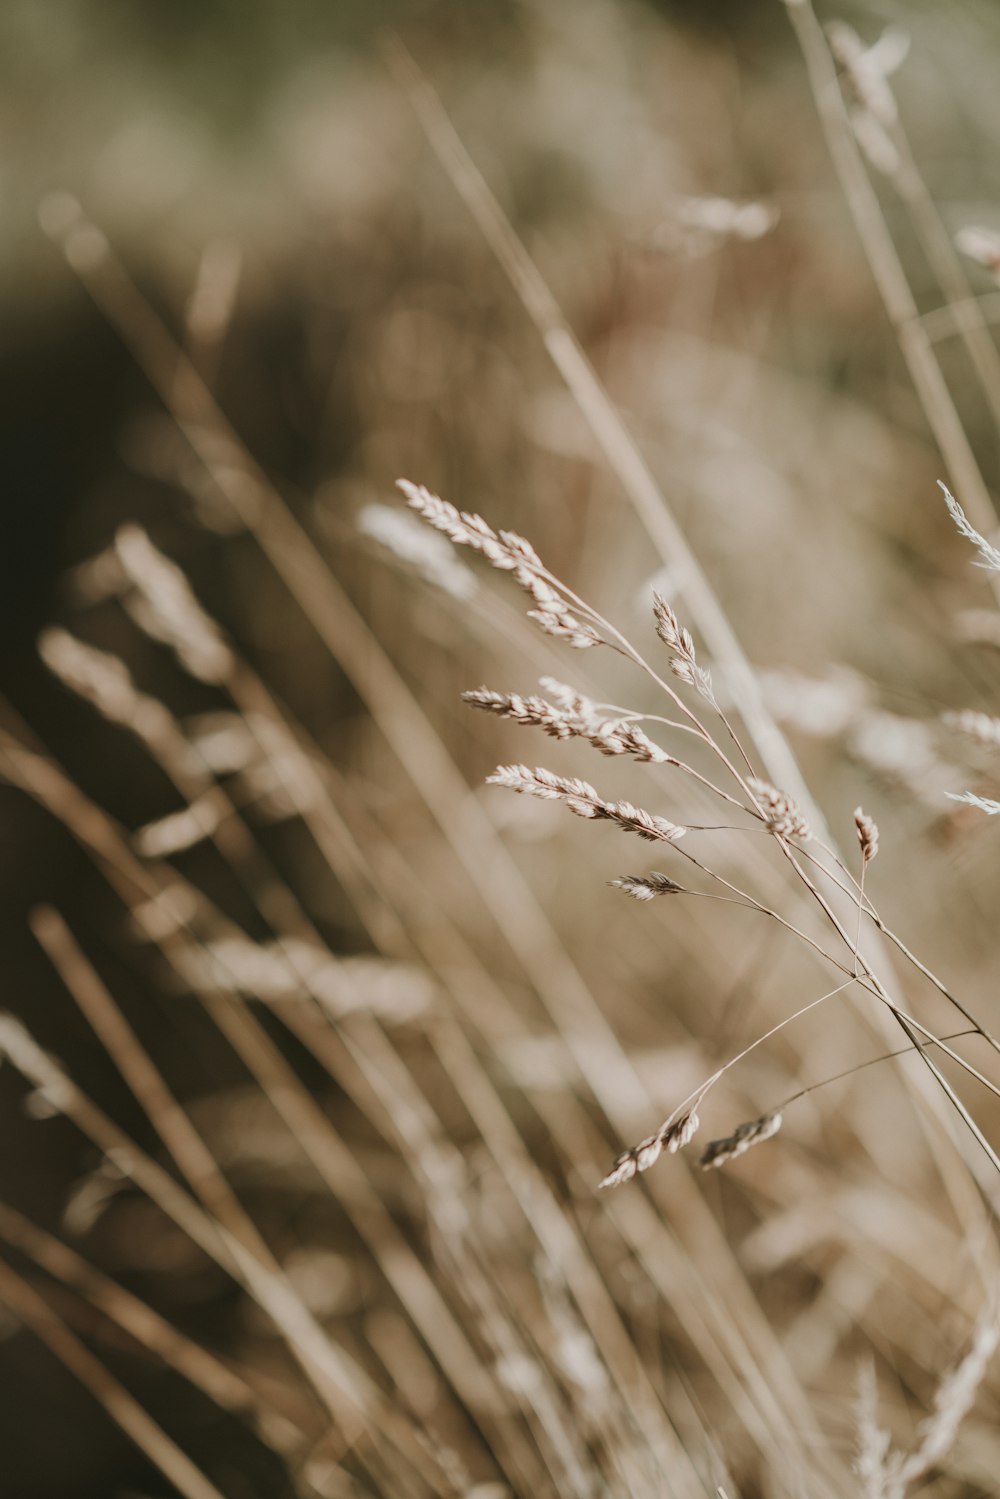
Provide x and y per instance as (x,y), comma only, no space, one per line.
(619,447)
(887,1056)
(694,1098)
(897,941)
(890,277)
(149,1331)
(176,1467)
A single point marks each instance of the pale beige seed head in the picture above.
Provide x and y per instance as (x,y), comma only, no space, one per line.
(718,1152)
(670,1137)
(867,835)
(647,886)
(780,813)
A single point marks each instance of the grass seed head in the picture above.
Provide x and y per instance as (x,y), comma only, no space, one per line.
(867,835)
(718,1152)
(779,811)
(670,1137)
(647,886)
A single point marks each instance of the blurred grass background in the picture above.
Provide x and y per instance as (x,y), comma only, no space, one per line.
(260,172)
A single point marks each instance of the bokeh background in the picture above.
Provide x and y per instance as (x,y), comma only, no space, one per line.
(262,176)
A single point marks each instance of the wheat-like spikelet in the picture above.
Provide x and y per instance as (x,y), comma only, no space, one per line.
(979,726)
(506,550)
(684,663)
(779,811)
(888,1475)
(985,804)
(867,835)
(612,736)
(989,555)
(581,798)
(952,1403)
(872,1444)
(552,613)
(625,738)
(718,1152)
(670,1137)
(556,721)
(676,1132)
(509,552)
(647,886)
(569,699)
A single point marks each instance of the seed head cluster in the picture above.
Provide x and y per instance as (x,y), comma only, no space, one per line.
(670,1137)
(867,835)
(510,553)
(581,798)
(647,886)
(779,811)
(718,1152)
(683,664)
(612,736)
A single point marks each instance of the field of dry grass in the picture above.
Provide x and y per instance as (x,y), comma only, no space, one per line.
(379,1128)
